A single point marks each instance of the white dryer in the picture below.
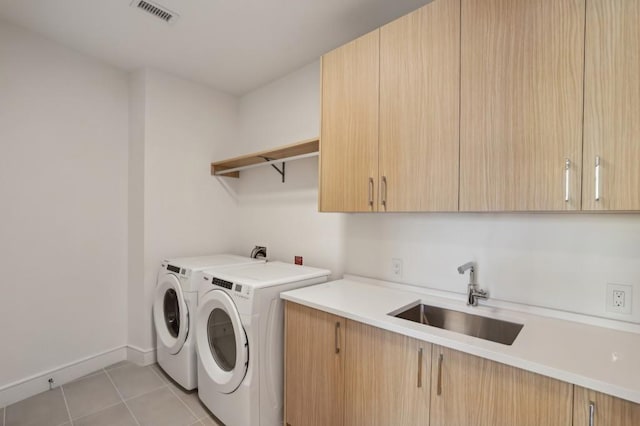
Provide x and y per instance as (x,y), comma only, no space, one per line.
(239,336)
(174,306)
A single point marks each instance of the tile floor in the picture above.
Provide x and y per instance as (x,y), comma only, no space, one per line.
(121,395)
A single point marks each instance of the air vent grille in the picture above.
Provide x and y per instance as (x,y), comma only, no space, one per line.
(156,10)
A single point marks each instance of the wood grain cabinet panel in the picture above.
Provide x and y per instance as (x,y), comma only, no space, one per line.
(471,391)
(521,104)
(419,109)
(607,410)
(349,129)
(314,367)
(386,378)
(612,105)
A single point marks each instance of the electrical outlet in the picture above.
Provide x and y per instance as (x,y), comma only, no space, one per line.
(619,297)
(396,268)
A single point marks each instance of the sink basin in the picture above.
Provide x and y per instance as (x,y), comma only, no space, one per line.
(498,331)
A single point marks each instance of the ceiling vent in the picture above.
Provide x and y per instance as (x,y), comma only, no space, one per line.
(156,10)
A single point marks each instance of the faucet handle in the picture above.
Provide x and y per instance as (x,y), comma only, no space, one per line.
(481,294)
(474,294)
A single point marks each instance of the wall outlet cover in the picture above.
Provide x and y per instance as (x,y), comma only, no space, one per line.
(619,298)
(396,268)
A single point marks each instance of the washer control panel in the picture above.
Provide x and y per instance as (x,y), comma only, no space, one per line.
(222,283)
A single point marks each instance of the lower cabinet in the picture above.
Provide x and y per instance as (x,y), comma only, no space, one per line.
(386,378)
(342,372)
(591,408)
(314,367)
(468,390)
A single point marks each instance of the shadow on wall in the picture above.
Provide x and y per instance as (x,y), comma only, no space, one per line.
(264,184)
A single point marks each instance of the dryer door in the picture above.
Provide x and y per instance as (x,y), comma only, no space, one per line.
(170,313)
(222,342)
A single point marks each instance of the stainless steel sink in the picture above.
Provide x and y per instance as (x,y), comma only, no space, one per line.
(498,331)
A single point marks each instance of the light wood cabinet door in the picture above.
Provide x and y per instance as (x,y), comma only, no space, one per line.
(521,104)
(607,410)
(386,378)
(612,105)
(349,129)
(419,109)
(314,367)
(470,391)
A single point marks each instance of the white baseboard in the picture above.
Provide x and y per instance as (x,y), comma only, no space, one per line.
(141,356)
(22,389)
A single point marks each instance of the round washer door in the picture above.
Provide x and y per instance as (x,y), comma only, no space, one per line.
(222,342)
(170,314)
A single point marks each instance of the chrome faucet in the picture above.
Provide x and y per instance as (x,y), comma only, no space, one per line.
(473,292)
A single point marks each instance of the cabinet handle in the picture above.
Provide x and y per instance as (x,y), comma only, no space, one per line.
(592,410)
(337,337)
(567,166)
(420,367)
(384,191)
(439,389)
(370,192)
(598,178)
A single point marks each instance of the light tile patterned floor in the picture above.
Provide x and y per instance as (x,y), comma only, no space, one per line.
(121,395)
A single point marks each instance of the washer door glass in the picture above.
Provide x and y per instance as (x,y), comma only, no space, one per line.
(170,314)
(222,339)
(223,350)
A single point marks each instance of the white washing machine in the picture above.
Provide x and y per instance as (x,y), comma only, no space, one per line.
(174,306)
(240,337)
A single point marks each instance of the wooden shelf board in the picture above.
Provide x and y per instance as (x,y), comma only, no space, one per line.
(283,152)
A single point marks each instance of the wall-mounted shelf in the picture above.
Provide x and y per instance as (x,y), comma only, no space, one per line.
(296,151)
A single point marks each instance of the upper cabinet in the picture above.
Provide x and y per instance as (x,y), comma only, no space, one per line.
(486,105)
(419,109)
(349,130)
(390,105)
(521,105)
(612,106)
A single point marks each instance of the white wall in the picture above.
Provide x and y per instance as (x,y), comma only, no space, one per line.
(284,216)
(282,112)
(184,211)
(560,261)
(63,220)
(136,212)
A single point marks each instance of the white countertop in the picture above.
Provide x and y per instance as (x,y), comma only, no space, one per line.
(599,358)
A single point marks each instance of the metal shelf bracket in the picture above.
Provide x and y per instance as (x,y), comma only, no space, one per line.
(282,172)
